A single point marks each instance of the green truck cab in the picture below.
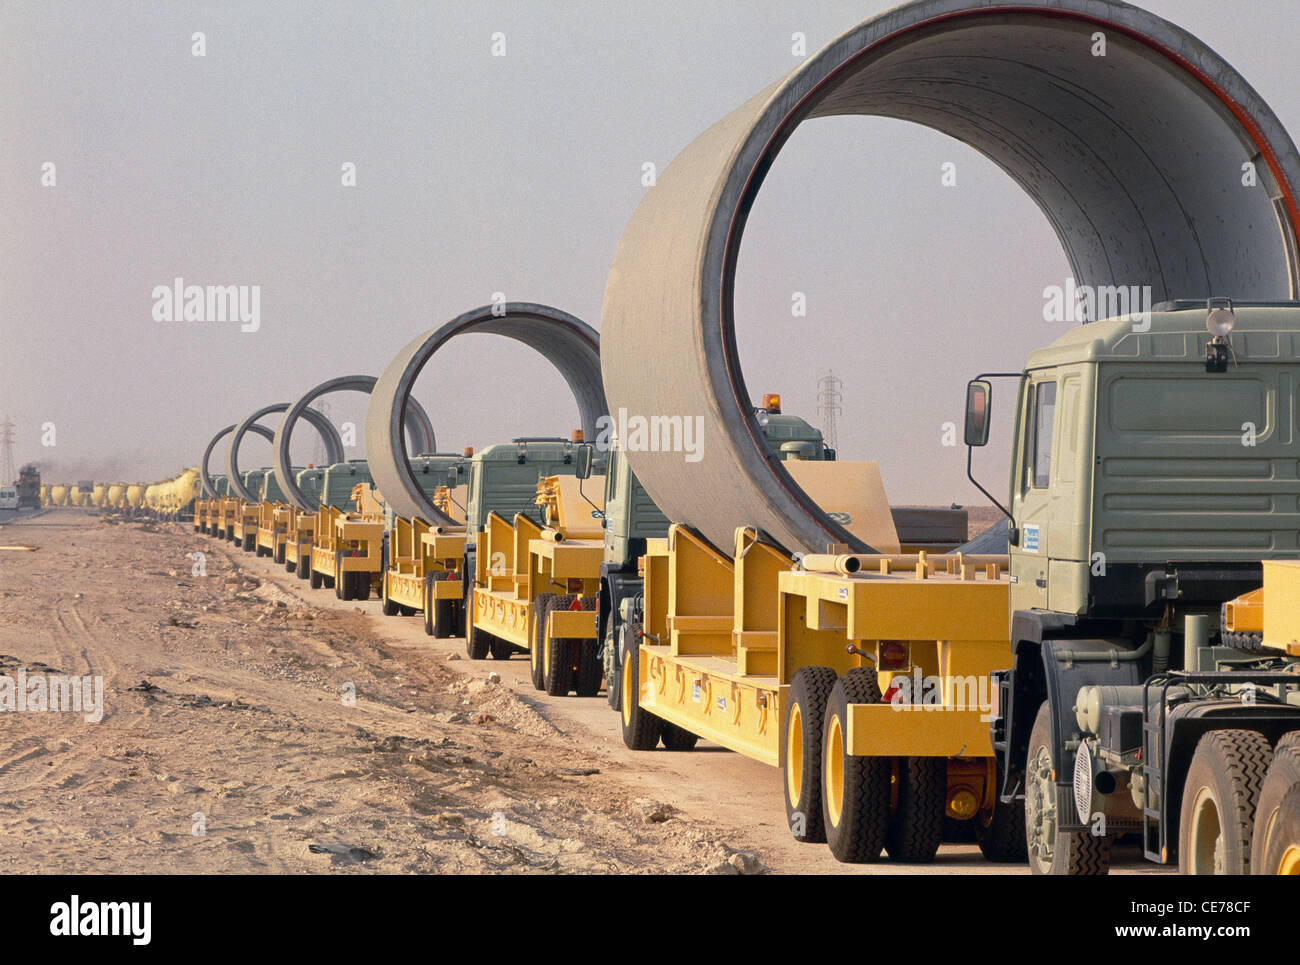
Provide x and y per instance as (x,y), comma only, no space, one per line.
(1154,466)
(503,479)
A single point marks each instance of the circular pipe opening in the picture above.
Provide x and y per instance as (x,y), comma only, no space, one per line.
(1135,158)
(329,435)
(416,422)
(568,343)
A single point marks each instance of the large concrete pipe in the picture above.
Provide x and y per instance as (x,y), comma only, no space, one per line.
(1135,157)
(570,344)
(205,475)
(417,424)
(329,435)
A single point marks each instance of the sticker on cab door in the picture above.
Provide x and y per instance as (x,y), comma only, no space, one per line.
(1031,538)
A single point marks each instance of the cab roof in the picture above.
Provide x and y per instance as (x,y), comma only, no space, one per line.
(1263,332)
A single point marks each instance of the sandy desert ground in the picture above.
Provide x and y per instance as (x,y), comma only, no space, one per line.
(227,743)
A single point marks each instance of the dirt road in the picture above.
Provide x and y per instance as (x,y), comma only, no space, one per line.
(253,725)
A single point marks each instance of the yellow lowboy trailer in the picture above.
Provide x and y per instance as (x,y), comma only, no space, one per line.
(347,553)
(300,535)
(243,524)
(866,678)
(536,589)
(228,508)
(424,562)
(273,519)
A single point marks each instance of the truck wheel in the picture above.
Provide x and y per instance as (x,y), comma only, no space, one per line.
(342,583)
(500,649)
(1002,837)
(801,754)
(439,615)
(1283,775)
(428,604)
(289,565)
(536,668)
(1283,854)
(587,671)
(248,542)
(478,643)
(855,790)
(279,553)
(612,667)
(316,579)
(445,618)
(641,729)
(386,604)
(1220,797)
(916,829)
(557,655)
(361,585)
(1053,852)
(588,674)
(303,566)
(676,738)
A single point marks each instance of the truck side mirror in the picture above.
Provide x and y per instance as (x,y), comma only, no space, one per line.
(979,394)
(583,455)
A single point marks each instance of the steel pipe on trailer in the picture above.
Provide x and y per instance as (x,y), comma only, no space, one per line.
(1135,157)
(568,343)
(329,435)
(418,427)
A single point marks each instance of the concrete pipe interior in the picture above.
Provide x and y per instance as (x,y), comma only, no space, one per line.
(569,344)
(418,427)
(329,436)
(1135,158)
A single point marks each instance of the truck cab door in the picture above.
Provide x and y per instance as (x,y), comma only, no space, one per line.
(1031,493)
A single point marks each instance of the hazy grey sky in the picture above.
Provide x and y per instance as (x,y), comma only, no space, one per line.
(478,174)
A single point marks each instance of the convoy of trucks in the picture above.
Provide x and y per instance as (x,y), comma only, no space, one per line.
(1116,661)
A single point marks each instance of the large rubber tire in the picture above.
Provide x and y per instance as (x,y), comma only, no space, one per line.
(279,552)
(558,656)
(289,565)
(676,738)
(478,643)
(1001,835)
(1282,856)
(1046,805)
(303,567)
(613,667)
(536,670)
(855,790)
(500,649)
(801,754)
(249,543)
(342,584)
(1283,775)
(641,729)
(446,619)
(386,604)
(916,828)
(361,585)
(1220,796)
(587,670)
(315,578)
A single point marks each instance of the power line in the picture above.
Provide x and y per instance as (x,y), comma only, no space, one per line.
(830,394)
(8,474)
